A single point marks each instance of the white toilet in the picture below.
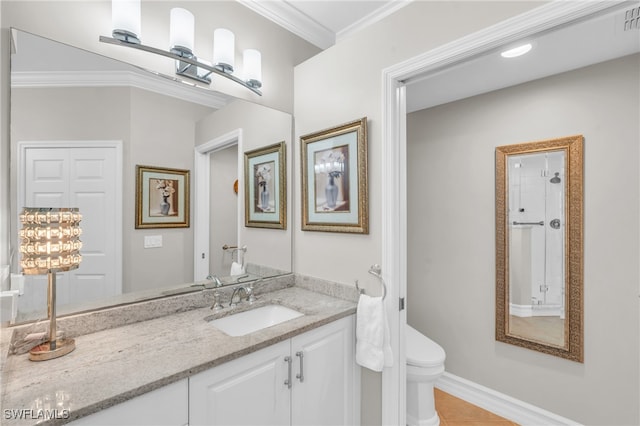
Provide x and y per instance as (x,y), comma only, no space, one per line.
(425,364)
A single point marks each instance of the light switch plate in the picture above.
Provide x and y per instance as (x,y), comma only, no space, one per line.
(153,241)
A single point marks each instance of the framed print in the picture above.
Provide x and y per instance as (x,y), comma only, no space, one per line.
(265,181)
(162,197)
(334,179)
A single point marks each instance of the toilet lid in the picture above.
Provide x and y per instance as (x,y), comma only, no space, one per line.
(422,351)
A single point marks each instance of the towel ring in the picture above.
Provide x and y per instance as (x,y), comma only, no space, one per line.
(376,271)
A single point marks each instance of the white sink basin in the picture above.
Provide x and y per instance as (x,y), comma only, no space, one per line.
(254,319)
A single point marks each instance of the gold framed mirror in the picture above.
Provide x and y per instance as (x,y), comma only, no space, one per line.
(539,246)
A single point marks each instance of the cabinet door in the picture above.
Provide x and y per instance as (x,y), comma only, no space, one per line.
(247,391)
(164,406)
(325,376)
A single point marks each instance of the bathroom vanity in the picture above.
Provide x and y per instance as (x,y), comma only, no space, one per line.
(180,369)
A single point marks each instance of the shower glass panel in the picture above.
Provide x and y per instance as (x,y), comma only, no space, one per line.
(536,206)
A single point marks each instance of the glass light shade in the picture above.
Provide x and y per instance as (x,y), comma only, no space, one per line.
(50,240)
(181,31)
(252,63)
(125,20)
(224,49)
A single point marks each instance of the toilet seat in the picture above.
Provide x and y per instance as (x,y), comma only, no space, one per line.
(422,351)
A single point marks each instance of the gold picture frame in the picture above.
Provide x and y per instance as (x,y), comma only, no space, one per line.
(265,183)
(162,197)
(334,179)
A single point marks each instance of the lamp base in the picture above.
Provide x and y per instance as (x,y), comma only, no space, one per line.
(43,352)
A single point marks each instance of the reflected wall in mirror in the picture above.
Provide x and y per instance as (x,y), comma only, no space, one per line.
(78,119)
(539,266)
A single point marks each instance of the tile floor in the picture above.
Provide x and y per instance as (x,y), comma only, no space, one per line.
(456,412)
(547,329)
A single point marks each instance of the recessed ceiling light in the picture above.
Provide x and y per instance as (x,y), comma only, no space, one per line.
(516,51)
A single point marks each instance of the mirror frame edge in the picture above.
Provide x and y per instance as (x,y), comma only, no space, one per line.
(574,253)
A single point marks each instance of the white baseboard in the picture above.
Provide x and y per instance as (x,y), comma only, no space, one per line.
(525,311)
(498,403)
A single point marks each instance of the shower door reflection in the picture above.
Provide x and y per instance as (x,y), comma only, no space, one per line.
(536,246)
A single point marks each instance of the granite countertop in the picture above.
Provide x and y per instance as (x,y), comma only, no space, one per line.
(111,366)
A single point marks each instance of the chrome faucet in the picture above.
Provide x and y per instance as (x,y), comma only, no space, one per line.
(215,280)
(237,291)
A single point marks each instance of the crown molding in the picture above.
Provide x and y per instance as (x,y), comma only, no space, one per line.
(293,20)
(159,84)
(375,16)
(300,24)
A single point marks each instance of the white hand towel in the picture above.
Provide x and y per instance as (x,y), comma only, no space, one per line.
(236,269)
(373,350)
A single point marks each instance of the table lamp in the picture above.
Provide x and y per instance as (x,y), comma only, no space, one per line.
(50,243)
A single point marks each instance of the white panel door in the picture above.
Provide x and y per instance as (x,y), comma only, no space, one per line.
(83,178)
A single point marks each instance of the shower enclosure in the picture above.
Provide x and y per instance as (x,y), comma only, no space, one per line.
(536,201)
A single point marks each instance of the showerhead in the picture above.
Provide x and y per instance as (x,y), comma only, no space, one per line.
(556,178)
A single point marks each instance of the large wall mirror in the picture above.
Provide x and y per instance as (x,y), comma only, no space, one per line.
(81,123)
(539,268)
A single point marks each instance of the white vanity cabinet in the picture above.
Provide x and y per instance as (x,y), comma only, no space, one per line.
(310,379)
(168,406)
(326,392)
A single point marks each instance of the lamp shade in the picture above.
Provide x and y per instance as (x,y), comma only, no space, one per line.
(181,31)
(50,240)
(252,62)
(224,49)
(125,20)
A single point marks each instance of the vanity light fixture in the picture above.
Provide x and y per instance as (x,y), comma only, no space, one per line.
(252,61)
(517,51)
(126,32)
(224,50)
(50,243)
(125,18)
(181,32)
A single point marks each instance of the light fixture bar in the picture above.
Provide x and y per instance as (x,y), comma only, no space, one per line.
(192,62)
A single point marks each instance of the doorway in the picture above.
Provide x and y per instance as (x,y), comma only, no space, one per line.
(396,80)
(203,251)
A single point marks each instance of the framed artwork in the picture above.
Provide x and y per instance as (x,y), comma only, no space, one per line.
(334,179)
(162,197)
(265,183)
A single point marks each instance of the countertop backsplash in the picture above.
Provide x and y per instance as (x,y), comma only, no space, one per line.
(12,338)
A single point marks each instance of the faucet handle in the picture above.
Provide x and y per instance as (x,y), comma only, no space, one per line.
(250,296)
(216,302)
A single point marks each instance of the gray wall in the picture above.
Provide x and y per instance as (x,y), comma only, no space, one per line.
(261,126)
(344,83)
(156,130)
(223,209)
(451,153)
